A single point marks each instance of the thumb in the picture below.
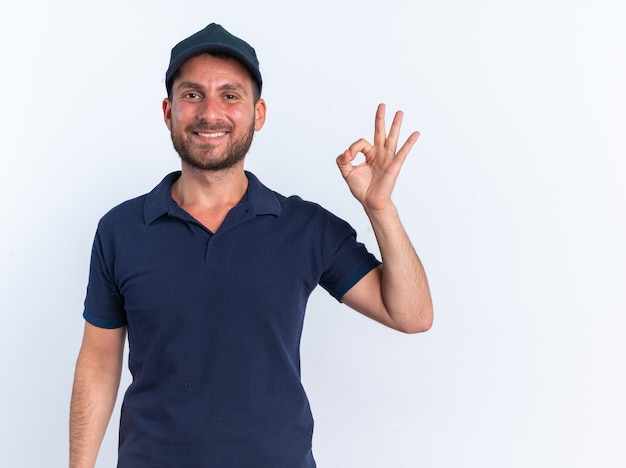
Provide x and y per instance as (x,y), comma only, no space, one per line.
(344,162)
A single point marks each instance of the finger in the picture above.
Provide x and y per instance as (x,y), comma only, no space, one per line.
(394,132)
(344,162)
(360,146)
(380,132)
(406,148)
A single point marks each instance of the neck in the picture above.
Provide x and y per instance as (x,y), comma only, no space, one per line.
(209,195)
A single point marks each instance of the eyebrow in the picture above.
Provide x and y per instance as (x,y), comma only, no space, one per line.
(233,87)
(189,85)
(224,87)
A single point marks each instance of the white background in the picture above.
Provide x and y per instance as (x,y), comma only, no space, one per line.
(514,198)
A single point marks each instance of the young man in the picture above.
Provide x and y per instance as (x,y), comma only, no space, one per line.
(209,275)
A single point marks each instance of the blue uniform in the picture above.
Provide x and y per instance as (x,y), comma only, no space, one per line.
(214,324)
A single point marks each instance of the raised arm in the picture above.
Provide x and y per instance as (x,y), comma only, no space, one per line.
(396,293)
(96,382)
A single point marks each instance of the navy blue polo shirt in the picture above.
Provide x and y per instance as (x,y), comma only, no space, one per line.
(214,323)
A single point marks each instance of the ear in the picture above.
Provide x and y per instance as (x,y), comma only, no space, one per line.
(167,112)
(260,109)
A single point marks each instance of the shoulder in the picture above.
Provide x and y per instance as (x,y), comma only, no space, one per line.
(311,219)
(125,211)
(291,207)
(144,208)
(294,205)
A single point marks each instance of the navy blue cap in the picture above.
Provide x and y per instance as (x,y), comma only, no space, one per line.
(213,38)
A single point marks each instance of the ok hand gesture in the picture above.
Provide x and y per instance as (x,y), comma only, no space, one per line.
(372,181)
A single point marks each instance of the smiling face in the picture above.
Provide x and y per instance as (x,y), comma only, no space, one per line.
(212,113)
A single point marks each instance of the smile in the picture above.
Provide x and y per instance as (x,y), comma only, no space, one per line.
(211,135)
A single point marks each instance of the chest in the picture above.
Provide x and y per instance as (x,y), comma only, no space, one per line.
(180,274)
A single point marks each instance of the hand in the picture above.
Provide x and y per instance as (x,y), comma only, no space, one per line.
(372,181)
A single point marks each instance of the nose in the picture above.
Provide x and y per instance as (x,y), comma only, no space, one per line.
(209,109)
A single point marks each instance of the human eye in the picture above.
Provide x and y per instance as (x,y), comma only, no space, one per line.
(232,92)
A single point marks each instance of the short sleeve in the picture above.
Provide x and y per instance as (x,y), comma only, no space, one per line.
(104,305)
(350,261)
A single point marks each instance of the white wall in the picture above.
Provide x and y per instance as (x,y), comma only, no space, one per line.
(514,197)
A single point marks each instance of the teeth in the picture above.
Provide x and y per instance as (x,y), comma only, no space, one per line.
(212,135)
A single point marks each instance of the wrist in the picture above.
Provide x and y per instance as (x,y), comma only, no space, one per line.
(380,209)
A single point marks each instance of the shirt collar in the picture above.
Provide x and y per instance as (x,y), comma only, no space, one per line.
(159,201)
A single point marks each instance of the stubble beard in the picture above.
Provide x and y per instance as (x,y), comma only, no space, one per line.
(201,155)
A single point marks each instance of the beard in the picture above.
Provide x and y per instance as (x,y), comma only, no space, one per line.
(204,156)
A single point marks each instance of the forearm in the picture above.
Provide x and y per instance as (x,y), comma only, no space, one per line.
(96,383)
(90,410)
(404,285)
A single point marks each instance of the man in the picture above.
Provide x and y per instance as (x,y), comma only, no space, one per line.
(209,275)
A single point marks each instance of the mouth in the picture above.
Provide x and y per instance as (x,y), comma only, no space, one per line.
(210,135)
